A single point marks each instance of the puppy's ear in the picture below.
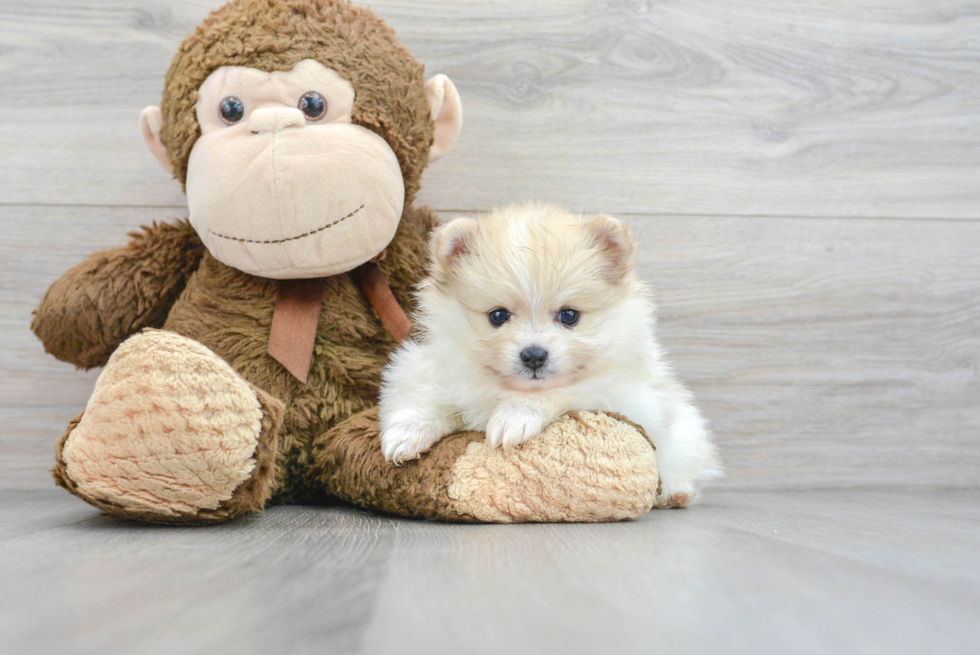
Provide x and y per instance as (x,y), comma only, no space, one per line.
(614,243)
(450,243)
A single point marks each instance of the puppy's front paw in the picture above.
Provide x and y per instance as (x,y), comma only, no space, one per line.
(512,425)
(406,440)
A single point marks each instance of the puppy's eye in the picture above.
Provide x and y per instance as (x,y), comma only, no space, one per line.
(231,110)
(568,317)
(498,317)
(313,105)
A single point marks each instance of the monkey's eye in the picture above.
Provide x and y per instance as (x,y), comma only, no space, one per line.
(232,110)
(568,316)
(498,317)
(313,105)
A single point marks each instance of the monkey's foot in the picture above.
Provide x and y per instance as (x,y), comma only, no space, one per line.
(586,466)
(171,434)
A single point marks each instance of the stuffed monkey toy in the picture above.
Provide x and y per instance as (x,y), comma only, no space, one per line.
(242,348)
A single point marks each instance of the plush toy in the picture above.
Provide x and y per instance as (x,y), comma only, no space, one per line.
(243,348)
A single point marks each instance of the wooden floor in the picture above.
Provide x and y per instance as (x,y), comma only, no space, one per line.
(804,178)
(744,572)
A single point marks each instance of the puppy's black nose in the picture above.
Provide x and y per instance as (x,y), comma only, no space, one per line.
(534,357)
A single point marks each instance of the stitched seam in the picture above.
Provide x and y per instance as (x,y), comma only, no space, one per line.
(299,236)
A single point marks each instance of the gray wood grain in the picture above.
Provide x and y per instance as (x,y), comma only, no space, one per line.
(825,353)
(693,107)
(814,572)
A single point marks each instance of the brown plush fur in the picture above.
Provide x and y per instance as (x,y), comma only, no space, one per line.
(92,308)
(275,35)
(351,466)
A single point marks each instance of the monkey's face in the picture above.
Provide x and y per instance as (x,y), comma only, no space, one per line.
(281,183)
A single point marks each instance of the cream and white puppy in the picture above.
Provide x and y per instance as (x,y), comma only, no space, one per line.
(529,312)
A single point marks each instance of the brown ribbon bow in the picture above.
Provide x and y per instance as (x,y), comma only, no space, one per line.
(297,313)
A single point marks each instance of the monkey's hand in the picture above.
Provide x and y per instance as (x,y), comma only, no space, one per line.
(115,293)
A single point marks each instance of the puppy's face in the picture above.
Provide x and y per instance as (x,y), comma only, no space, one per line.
(534,296)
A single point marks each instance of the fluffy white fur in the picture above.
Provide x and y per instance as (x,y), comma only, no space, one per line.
(466,374)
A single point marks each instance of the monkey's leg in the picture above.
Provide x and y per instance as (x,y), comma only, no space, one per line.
(171,434)
(586,466)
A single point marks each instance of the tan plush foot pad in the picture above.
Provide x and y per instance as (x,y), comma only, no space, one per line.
(587,466)
(170,433)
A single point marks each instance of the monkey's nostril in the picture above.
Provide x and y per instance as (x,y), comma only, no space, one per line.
(534,357)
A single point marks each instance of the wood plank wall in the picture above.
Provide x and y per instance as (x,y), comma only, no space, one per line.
(804,177)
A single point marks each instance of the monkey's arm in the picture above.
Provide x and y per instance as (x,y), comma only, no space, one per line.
(115,293)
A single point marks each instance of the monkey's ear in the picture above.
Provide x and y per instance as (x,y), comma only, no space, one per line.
(447,114)
(151,122)
(614,242)
(450,243)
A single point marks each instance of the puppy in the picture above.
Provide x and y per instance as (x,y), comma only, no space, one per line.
(529,312)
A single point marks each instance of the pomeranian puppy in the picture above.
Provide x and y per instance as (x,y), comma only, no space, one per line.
(530,312)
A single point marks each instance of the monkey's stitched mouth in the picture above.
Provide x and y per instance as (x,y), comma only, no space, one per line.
(298,236)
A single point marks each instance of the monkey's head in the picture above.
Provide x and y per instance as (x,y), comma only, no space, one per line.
(299,129)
